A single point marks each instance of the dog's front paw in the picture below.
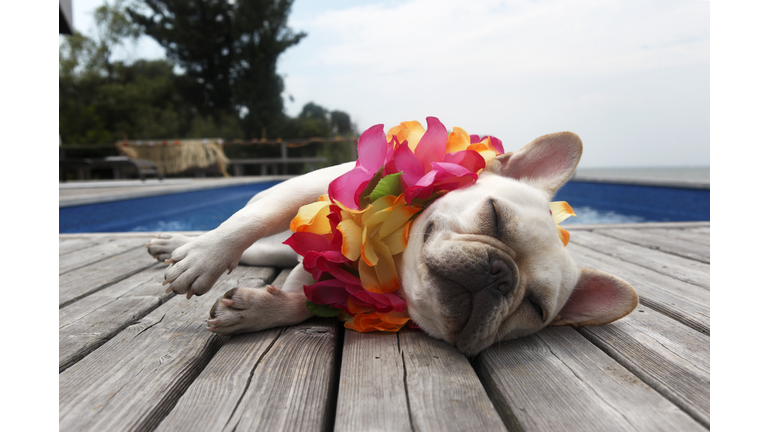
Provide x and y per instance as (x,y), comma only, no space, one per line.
(195,266)
(164,244)
(243,310)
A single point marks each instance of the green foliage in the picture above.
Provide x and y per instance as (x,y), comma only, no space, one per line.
(389,185)
(324,311)
(219,80)
(230,50)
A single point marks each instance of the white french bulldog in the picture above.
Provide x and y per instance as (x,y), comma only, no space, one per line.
(483,263)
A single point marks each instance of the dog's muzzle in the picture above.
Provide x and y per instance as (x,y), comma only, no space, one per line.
(474,282)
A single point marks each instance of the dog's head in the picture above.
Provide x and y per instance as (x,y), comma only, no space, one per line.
(485,263)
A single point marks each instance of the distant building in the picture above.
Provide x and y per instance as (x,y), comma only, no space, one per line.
(65,17)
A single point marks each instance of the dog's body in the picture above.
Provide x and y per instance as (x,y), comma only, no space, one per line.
(483,263)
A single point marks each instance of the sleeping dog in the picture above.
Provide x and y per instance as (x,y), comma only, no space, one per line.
(483,263)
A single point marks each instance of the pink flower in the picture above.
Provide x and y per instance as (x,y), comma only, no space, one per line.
(373,153)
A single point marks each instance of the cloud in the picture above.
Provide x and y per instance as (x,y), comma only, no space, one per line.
(518,70)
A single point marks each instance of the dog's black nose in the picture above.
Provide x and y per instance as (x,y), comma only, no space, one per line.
(502,277)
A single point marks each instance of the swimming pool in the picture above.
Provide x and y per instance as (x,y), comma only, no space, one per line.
(593,203)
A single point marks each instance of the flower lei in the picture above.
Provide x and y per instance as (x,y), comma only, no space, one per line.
(351,236)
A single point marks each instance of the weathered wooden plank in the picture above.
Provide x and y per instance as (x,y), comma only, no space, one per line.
(91,278)
(556,380)
(224,392)
(70,245)
(668,356)
(87,324)
(208,404)
(294,385)
(690,234)
(684,269)
(409,381)
(444,392)
(700,230)
(651,239)
(371,384)
(96,253)
(132,381)
(688,304)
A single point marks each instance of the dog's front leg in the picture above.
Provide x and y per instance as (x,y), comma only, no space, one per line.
(243,310)
(197,265)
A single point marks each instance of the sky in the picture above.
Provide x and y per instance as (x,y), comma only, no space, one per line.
(631,77)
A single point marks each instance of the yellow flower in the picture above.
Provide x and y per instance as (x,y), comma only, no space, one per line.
(374,235)
(313,217)
(561,211)
(409,130)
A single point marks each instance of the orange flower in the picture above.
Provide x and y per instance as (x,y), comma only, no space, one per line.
(377,321)
(560,211)
(412,131)
(313,217)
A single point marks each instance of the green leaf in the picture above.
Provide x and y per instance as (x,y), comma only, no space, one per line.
(324,311)
(389,185)
(365,196)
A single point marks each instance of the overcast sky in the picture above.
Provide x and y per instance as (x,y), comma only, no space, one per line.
(630,77)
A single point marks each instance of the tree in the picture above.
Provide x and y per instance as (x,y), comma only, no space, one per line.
(103,101)
(229,50)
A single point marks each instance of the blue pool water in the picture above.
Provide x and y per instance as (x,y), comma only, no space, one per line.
(593,203)
(188,211)
(602,203)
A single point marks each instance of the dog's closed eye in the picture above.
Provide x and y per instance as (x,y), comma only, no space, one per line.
(490,219)
(428,231)
(537,309)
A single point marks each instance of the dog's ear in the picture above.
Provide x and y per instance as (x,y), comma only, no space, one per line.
(546,162)
(598,298)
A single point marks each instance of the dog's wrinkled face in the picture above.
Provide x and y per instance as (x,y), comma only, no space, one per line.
(485,263)
(488,263)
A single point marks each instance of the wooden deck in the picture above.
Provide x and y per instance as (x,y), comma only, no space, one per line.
(134,358)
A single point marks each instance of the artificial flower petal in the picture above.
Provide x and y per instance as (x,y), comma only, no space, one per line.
(410,131)
(386,272)
(328,292)
(367,251)
(313,218)
(397,218)
(561,211)
(352,239)
(458,140)
(431,148)
(398,240)
(407,163)
(372,148)
(471,160)
(564,235)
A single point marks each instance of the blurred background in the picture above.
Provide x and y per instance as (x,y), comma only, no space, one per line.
(631,78)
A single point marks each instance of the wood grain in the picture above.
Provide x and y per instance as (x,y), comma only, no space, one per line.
(212,398)
(693,235)
(444,392)
(132,381)
(70,245)
(668,356)
(683,269)
(294,386)
(656,240)
(87,324)
(556,380)
(371,384)
(98,252)
(686,303)
(93,277)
